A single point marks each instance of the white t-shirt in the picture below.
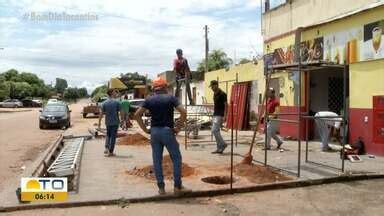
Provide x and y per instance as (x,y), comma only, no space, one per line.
(335,122)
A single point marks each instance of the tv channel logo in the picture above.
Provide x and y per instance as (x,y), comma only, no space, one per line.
(44,189)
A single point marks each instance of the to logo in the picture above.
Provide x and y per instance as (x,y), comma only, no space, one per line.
(43,189)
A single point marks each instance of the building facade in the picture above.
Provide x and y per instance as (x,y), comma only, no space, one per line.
(335,32)
(250,79)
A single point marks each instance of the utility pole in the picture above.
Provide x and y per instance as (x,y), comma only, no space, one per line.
(206,48)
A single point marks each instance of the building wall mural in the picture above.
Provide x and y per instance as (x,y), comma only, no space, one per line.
(353,45)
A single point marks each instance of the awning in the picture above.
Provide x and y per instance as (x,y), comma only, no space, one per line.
(115,83)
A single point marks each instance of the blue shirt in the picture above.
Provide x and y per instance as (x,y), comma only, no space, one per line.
(161,107)
(111,109)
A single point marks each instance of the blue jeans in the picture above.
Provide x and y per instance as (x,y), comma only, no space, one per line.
(272,127)
(216,125)
(160,137)
(110,139)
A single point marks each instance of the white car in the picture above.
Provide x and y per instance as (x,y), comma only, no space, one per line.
(38,102)
(54,101)
(11,103)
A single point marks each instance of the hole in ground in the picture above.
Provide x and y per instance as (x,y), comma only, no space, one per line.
(218,180)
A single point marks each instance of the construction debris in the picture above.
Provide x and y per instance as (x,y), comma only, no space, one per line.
(259,174)
(148,171)
(133,139)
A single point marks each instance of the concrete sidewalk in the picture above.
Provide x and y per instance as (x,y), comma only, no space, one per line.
(104,178)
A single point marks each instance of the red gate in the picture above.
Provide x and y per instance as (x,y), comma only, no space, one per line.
(239,96)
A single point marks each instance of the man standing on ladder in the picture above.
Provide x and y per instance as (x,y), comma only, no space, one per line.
(163,133)
(273,108)
(183,73)
(219,115)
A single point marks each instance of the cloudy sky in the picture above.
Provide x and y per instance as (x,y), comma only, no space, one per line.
(125,36)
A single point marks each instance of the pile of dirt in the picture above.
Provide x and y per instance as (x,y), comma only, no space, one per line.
(259,174)
(133,139)
(148,171)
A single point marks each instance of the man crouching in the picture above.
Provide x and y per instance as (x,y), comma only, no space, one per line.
(161,106)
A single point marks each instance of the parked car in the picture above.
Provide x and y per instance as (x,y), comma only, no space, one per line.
(38,103)
(55,115)
(11,103)
(31,103)
(52,100)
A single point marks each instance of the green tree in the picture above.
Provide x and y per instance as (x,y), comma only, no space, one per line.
(4,88)
(71,94)
(83,93)
(21,90)
(61,85)
(20,85)
(30,78)
(217,59)
(11,75)
(99,92)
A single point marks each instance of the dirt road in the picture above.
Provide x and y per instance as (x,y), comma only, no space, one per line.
(21,140)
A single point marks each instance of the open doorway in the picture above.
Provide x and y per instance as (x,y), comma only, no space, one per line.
(326,93)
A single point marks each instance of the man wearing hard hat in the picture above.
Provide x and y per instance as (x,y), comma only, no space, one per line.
(161,106)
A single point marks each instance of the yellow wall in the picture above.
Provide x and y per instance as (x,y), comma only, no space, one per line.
(246,72)
(366,79)
(287,88)
(287,85)
(358,20)
(279,43)
(300,13)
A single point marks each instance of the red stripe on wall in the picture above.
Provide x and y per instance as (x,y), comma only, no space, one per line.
(358,127)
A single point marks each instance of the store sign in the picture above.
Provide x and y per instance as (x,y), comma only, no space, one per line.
(312,50)
(284,55)
(350,46)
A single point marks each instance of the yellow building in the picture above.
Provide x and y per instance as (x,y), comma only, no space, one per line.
(251,73)
(245,72)
(348,31)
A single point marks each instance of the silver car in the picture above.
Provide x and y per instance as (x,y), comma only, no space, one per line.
(11,103)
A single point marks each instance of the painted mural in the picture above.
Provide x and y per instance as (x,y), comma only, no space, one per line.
(350,46)
(373,44)
(312,50)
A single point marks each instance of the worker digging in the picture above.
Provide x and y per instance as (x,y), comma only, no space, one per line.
(273,108)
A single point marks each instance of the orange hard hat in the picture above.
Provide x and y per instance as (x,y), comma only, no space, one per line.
(159,83)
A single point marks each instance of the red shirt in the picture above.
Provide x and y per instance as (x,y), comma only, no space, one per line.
(180,66)
(272,103)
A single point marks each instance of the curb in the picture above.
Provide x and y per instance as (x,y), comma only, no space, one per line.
(195,194)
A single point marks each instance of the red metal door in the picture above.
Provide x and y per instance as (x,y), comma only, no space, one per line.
(239,96)
(378,119)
